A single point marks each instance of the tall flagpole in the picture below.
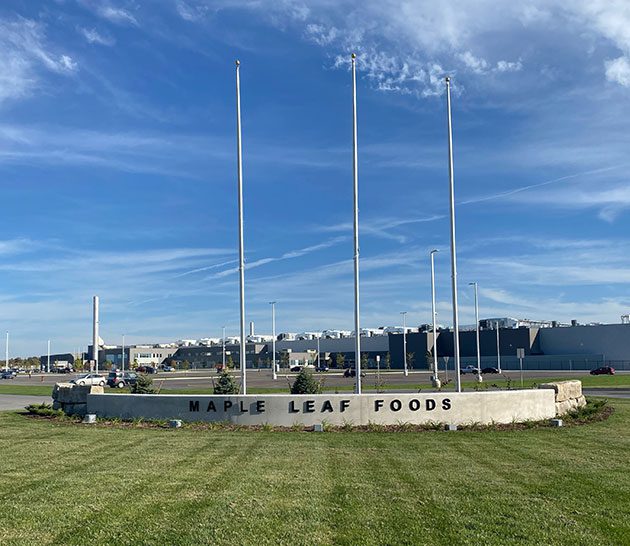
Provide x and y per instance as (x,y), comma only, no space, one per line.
(453,249)
(435,380)
(355,159)
(241,264)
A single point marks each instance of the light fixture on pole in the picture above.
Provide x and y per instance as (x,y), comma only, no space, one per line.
(48,361)
(479,378)
(241,263)
(498,348)
(355,164)
(453,249)
(273,339)
(435,379)
(223,349)
(404,314)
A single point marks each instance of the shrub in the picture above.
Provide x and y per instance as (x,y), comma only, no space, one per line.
(45,410)
(225,384)
(143,385)
(305,383)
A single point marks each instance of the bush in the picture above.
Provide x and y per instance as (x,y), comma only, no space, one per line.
(143,385)
(45,410)
(305,383)
(225,384)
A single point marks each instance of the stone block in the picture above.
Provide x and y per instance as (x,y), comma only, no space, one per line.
(566,406)
(69,393)
(175,423)
(564,390)
(556,422)
(89,418)
(581,401)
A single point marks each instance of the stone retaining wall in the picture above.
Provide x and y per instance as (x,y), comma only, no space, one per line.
(568,395)
(71,398)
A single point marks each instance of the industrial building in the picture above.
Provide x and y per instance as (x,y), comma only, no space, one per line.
(546,345)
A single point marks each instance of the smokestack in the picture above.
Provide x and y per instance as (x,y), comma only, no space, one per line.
(95,333)
(251,327)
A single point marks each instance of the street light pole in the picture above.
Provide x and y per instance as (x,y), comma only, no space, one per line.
(273,339)
(241,264)
(404,314)
(436,381)
(223,348)
(319,364)
(355,164)
(498,349)
(453,249)
(6,354)
(123,353)
(479,378)
(48,361)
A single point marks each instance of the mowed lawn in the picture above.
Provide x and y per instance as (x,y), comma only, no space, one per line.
(83,484)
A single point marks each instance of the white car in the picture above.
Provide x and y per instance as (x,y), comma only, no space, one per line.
(90,379)
(469,369)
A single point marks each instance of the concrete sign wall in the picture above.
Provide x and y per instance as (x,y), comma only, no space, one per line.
(335,409)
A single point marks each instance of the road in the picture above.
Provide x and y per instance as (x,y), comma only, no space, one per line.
(620,392)
(331,379)
(19,401)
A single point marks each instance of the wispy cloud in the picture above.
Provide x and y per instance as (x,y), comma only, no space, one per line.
(95,37)
(24,52)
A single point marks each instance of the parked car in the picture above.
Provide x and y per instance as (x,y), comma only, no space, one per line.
(469,369)
(90,379)
(321,368)
(145,369)
(8,375)
(352,372)
(603,370)
(490,370)
(167,368)
(296,368)
(120,379)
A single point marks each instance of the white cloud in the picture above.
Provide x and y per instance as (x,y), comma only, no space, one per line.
(507,66)
(618,71)
(95,37)
(320,34)
(23,51)
(117,15)
(190,12)
(476,64)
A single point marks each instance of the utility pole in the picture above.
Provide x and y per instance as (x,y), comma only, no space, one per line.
(273,339)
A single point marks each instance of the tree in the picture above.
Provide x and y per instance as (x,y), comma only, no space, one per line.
(411,357)
(305,383)
(364,361)
(429,358)
(284,359)
(388,361)
(339,360)
(225,384)
(229,362)
(143,385)
(185,365)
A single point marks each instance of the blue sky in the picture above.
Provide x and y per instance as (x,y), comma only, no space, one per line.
(118,167)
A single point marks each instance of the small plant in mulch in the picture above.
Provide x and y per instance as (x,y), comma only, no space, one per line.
(44,410)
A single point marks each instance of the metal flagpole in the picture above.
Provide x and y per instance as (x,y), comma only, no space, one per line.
(241,264)
(273,339)
(435,356)
(355,164)
(453,249)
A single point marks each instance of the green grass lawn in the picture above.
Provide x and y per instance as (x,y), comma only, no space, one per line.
(80,484)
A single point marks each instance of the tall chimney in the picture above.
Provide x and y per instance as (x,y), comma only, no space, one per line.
(95,333)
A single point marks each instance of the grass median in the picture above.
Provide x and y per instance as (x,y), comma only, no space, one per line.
(72,484)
